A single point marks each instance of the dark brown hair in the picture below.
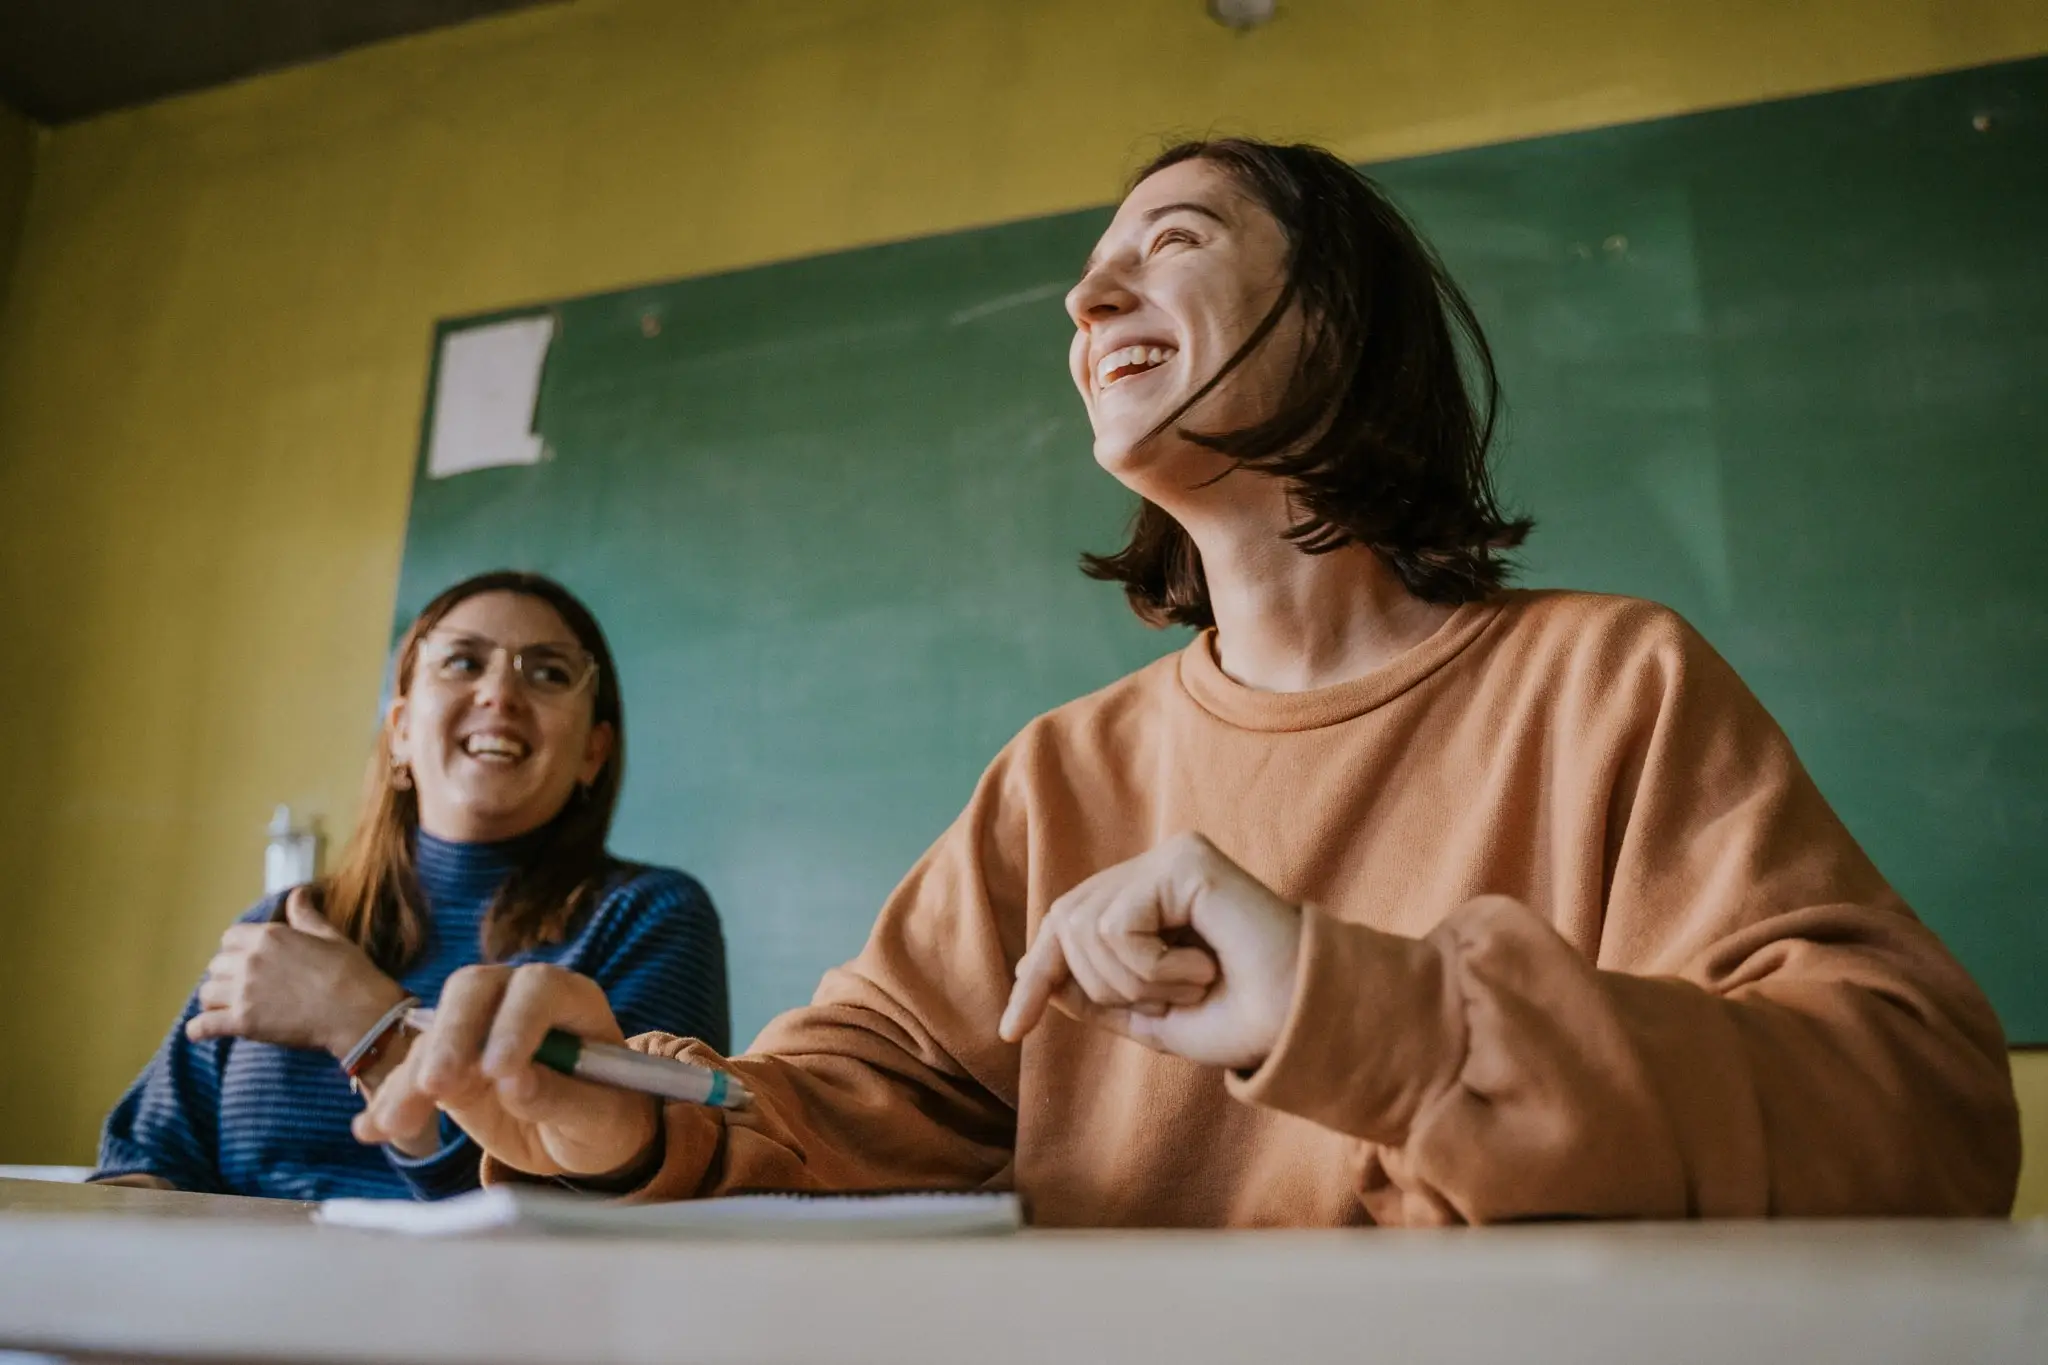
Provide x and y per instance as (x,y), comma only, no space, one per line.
(374,897)
(1382,431)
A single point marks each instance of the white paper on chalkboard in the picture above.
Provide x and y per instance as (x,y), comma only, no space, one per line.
(484,397)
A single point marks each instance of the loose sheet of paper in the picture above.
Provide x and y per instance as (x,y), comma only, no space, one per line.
(541,1211)
(484,398)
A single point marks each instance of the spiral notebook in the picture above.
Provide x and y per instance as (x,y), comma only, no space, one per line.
(539,1210)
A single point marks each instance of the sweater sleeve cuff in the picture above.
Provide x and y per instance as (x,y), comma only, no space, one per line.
(1375,1032)
(450,1170)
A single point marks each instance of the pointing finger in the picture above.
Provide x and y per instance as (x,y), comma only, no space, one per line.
(1100,977)
(1041,971)
(1141,1024)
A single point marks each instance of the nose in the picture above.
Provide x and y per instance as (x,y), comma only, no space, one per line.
(1100,296)
(500,686)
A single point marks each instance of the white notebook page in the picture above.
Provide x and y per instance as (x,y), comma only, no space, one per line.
(534,1209)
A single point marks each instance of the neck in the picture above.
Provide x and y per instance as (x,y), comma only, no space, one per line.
(1293,622)
(459,872)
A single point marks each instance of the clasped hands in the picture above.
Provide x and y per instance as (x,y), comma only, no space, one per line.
(1179,949)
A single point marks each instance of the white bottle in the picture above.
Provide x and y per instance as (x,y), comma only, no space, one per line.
(291,857)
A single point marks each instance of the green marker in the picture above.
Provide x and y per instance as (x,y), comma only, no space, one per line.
(624,1069)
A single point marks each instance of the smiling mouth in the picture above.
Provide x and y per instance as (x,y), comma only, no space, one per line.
(496,750)
(1129,361)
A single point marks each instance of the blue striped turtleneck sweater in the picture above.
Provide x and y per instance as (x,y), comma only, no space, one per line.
(231,1116)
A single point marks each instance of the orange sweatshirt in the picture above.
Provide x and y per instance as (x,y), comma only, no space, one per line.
(1703,999)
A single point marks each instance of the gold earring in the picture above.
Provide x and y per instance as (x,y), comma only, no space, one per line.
(401,775)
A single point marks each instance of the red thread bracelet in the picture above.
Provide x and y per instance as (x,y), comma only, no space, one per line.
(371,1049)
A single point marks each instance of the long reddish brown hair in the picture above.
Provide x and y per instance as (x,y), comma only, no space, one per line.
(374,896)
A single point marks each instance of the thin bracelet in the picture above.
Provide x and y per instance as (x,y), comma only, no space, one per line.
(359,1056)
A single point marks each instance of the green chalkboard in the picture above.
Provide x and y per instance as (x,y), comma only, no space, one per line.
(1782,367)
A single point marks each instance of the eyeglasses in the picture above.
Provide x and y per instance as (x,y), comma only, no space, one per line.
(547,670)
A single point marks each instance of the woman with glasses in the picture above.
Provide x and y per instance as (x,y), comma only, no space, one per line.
(481,839)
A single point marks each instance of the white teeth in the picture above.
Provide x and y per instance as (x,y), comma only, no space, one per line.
(494,747)
(1135,358)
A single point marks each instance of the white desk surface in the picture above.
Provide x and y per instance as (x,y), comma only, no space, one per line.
(128,1274)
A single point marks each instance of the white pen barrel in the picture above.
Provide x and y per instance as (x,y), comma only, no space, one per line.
(629,1070)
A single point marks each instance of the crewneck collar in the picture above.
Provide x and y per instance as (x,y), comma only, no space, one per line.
(1248,708)
(453,872)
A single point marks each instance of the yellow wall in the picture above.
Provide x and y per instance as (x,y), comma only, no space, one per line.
(217,345)
(17,164)
(2030,1078)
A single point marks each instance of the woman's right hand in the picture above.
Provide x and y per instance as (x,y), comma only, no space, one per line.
(475,1064)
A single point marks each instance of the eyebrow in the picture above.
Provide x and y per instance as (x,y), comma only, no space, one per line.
(1185,206)
(1154,215)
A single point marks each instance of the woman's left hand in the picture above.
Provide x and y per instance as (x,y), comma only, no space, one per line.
(1179,948)
(296,984)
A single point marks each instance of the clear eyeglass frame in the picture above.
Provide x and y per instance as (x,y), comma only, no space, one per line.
(546,670)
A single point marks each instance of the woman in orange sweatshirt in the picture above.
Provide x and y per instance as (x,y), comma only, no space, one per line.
(1395,897)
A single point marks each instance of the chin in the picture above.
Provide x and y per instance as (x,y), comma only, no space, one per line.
(1113,456)
(1162,469)
(497,807)
(1126,452)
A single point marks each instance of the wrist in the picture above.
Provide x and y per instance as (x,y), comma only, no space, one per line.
(636,1170)
(370,1052)
(1376,1033)
(1286,986)
(350,1020)
(1272,995)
